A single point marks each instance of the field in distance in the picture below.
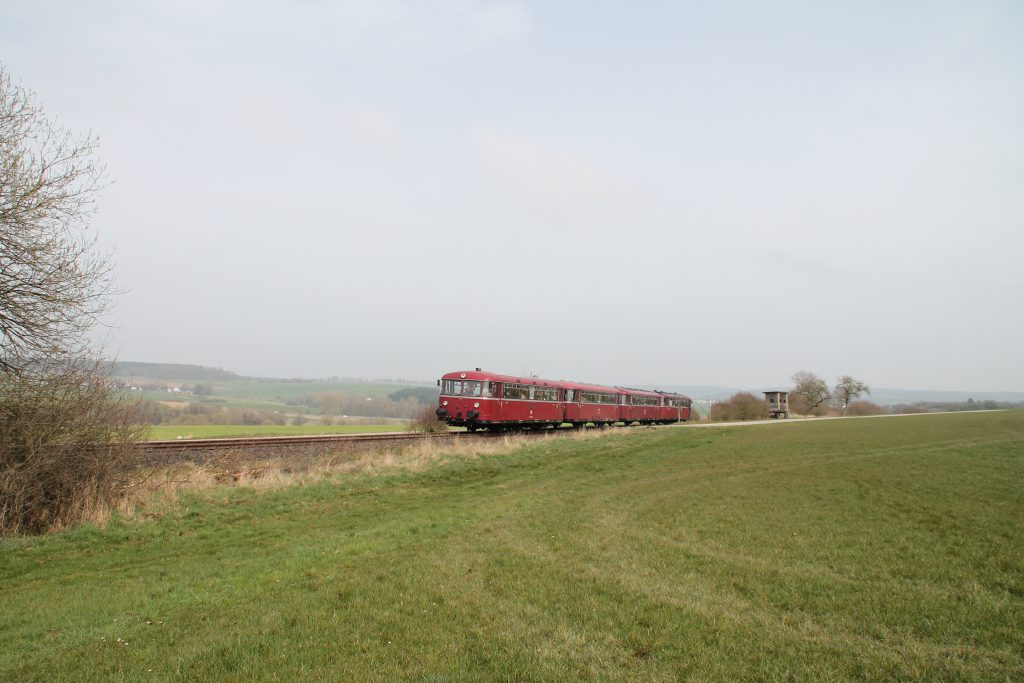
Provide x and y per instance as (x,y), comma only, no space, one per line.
(268,395)
(174,394)
(167,432)
(842,549)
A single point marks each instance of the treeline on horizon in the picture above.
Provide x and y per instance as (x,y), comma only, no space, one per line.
(169,371)
(952,407)
(744,406)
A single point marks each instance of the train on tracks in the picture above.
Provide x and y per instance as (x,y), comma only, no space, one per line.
(484,400)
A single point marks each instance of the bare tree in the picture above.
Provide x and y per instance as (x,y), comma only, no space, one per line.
(849,389)
(53,281)
(810,390)
(66,434)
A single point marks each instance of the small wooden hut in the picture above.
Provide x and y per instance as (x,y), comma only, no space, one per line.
(778,403)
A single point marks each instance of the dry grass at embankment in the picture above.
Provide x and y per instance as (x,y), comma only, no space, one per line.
(158,488)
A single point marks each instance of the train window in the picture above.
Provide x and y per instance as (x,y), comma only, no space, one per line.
(452,387)
(471,388)
(568,394)
(488,389)
(517,391)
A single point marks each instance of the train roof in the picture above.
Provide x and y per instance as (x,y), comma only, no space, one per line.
(653,392)
(483,376)
(494,377)
(537,381)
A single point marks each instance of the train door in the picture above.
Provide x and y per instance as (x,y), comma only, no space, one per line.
(496,389)
(571,412)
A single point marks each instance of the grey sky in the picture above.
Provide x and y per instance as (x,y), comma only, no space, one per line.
(677,193)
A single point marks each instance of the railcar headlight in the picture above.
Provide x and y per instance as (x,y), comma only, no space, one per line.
(476,405)
(444,403)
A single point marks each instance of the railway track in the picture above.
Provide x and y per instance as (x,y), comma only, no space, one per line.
(200,451)
(277,441)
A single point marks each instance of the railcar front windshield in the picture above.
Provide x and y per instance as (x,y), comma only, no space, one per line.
(465,387)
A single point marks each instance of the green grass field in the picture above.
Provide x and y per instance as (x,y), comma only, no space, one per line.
(166,432)
(850,549)
(225,402)
(268,395)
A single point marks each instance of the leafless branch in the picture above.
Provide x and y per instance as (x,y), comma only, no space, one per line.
(54,283)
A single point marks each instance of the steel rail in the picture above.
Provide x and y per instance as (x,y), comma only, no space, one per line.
(271,441)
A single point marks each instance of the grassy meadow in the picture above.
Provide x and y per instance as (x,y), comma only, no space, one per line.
(266,395)
(270,391)
(845,549)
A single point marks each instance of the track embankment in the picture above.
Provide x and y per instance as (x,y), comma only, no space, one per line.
(204,450)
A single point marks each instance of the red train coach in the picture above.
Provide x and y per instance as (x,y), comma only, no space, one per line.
(485,400)
(655,407)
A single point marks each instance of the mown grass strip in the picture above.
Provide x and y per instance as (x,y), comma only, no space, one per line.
(872,549)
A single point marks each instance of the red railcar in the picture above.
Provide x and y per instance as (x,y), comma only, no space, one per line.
(655,407)
(477,399)
(592,403)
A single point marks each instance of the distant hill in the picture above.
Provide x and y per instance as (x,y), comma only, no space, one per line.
(170,371)
(881,396)
(888,397)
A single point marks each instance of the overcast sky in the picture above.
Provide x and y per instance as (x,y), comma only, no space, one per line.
(652,192)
